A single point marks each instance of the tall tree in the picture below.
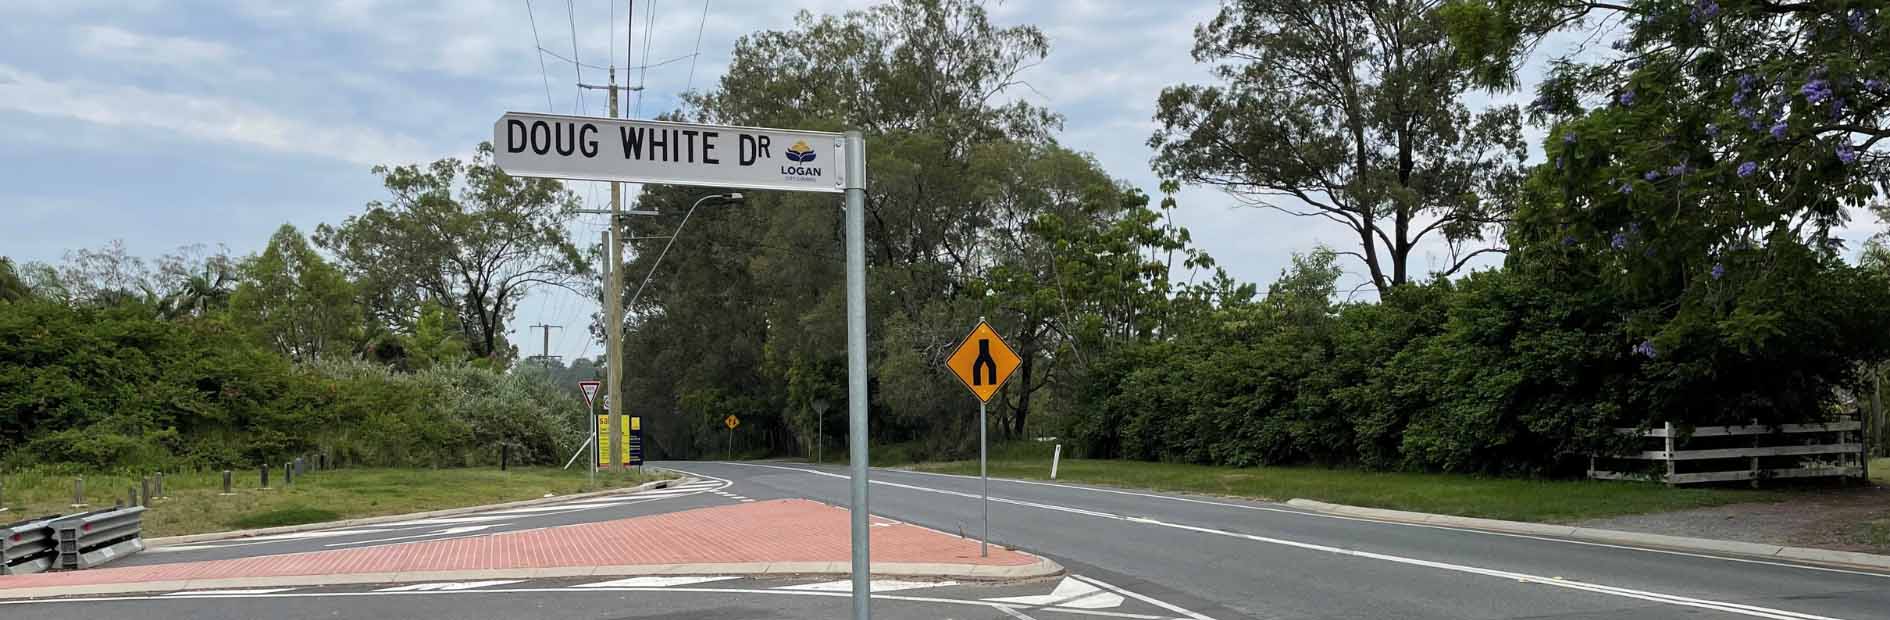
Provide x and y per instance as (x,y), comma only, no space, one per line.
(295,301)
(1348,110)
(461,234)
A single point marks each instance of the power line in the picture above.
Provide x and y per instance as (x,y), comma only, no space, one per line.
(649,24)
(692,56)
(542,75)
(570,13)
(581,64)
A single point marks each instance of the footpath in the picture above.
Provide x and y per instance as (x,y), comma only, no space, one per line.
(779,537)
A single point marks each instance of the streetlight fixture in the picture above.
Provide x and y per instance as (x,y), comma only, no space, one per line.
(729,198)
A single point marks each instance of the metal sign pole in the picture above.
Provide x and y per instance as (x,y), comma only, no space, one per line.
(856,369)
(984,488)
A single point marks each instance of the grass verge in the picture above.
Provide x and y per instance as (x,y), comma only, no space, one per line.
(194,504)
(1474,496)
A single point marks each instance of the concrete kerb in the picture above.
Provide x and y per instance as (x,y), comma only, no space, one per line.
(1662,541)
(1042,568)
(448,512)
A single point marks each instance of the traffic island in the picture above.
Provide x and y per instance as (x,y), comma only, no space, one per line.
(780,537)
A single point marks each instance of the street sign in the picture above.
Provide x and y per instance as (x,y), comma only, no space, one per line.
(639,151)
(589,388)
(628,446)
(983,362)
(732,421)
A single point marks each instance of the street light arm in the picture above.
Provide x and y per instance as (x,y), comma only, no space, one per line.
(732,197)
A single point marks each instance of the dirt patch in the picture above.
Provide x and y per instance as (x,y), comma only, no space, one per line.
(1856,519)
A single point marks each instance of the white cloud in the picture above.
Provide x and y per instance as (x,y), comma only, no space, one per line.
(201,117)
(120,45)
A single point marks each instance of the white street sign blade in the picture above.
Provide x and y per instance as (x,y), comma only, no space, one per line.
(638,151)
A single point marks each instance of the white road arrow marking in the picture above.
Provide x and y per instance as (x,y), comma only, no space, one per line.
(445,587)
(653,582)
(877,585)
(1069,593)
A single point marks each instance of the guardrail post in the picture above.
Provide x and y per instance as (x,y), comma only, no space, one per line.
(78,492)
(288,473)
(265,475)
(505,456)
(144,491)
(131,496)
(160,485)
(323,457)
(226,482)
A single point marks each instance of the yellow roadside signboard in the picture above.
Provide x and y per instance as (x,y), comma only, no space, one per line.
(731,421)
(983,361)
(628,446)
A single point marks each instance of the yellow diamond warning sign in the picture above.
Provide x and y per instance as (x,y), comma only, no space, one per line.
(983,361)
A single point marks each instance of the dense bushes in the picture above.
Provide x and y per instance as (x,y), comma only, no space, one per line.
(1499,372)
(116,386)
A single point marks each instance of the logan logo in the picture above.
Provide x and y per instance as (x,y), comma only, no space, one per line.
(802,154)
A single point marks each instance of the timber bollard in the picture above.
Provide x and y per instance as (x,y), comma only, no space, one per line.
(288,473)
(265,475)
(78,492)
(3,496)
(505,456)
(144,492)
(298,467)
(226,482)
(323,459)
(160,485)
(131,496)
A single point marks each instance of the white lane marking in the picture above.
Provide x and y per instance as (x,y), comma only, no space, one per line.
(517,511)
(231,593)
(876,585)
(447,586)
(1735,608)
(1014,613)
(1069,593)
(1322,515)
(315,534)
(465,529)
(1144,598)
(653,582)
(451,520)
(723,591)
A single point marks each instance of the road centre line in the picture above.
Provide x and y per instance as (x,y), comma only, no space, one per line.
(1321,515)
(184,596)
(1734,608)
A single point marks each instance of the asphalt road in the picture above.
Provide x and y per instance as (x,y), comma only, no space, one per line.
(1131,554)
(1231,559)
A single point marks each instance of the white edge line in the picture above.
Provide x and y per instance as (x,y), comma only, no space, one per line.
(1308,513)
(182,596)
(1763,612)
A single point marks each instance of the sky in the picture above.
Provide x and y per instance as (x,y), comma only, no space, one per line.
(167,123)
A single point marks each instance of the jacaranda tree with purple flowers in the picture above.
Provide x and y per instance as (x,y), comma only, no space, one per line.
(1733,138)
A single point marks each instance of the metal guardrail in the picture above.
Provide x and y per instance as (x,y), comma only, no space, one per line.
(27,547)
(95,538)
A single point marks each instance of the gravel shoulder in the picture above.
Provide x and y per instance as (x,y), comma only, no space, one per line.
(1853,519)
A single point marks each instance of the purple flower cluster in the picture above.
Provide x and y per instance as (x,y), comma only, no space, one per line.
(1846,152)
(1568,138)
(1677,170)
(1626,188)
(1743,94)
(1816,90)
(1874,84)
(1626,98)
(1646,348)
(1712,130)
(1651,176)
(1619,241)
(1719,270)
(1746,169)
(1860,21)
(1704,11)
(1778,131)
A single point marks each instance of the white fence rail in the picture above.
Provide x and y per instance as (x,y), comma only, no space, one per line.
(1734,453)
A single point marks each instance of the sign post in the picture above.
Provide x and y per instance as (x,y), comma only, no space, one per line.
(983,362)
(637,151)
(731,422)
(589,388)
